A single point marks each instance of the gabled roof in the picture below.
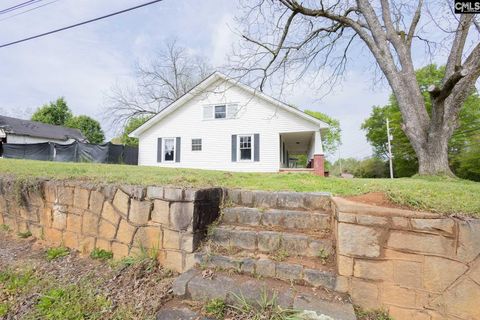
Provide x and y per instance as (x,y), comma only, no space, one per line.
(39,130)
(205,84)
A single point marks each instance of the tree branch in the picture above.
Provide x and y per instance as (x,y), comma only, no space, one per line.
(454,60)
(440,94)
(414,24)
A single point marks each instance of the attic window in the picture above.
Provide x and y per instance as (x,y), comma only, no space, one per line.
(220,112)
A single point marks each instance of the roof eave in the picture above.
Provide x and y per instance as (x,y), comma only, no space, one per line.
(207,82)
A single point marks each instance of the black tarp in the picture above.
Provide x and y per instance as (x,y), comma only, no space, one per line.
(66,152)
(92,152)
(115,153)
(34,151)
(130,155)
(74,152)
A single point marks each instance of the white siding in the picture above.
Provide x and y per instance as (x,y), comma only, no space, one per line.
(13,138)
(255,115)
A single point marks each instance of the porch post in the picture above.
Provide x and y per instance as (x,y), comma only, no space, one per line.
(318,156)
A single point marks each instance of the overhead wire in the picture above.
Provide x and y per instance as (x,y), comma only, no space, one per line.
(23,12)
(19,6)
(79,24)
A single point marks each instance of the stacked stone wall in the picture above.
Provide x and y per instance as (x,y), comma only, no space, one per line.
(168,222)
(417,265)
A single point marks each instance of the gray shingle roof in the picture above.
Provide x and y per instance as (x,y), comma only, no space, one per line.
(38,129)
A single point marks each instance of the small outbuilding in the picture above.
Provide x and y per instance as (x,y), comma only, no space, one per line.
(19,131)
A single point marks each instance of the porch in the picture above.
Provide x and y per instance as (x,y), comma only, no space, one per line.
(302,152)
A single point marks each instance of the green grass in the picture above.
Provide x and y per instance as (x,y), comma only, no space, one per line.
(14,282)
(57,252)
(71,302)
(437,194)
(100,254)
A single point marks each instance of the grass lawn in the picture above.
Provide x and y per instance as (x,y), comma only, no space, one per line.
(438,194)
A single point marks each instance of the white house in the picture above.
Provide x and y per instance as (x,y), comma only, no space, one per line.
(222,124)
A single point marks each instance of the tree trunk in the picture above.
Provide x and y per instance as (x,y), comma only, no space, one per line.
(433,156)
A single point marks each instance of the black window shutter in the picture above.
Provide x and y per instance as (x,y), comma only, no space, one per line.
(177,149)
(159,150)
(234,147)
(256,145)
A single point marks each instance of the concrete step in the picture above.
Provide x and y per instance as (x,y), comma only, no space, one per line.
(305,272)
(275,218)
(271,242)
(194,284)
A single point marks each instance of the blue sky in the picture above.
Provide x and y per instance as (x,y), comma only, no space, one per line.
(82,64)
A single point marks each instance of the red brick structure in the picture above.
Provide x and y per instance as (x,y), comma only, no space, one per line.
(319,164)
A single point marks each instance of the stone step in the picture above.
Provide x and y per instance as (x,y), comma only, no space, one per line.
(279,200)
(193,284)
(285,219)
(270,242)
(297,271)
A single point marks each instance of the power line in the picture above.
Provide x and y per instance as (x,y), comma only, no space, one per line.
(34,8)
(79,24)
(19,6)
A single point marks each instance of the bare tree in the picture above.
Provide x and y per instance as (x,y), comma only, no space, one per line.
(288,36)
(160,82)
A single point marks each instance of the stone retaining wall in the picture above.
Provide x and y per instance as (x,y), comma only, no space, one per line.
(417,265)
(121,219)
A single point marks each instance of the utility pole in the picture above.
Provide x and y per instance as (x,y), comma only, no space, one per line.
(389,138)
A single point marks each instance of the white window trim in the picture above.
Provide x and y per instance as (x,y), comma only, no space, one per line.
(201,144)
(174,149)
(239,156)
(227,115)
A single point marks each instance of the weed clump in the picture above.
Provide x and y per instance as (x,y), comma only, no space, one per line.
(100,254)
(57,252)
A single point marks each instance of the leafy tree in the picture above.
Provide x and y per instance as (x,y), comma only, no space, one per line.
(56,113)
(131,125)
(468,161)
(371,168)
(367,168)
(90,128)
(405,160)
(346,165)
(331,138)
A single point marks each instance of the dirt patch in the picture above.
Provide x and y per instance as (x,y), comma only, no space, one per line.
(378,199)
(132,291)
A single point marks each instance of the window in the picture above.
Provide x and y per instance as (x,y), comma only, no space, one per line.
(220,112)
(169,149)
(245,147)
(196,144)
